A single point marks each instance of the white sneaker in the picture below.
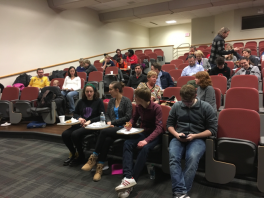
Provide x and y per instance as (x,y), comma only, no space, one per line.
(125,184)
(6,124)
(125,193)
(182,196)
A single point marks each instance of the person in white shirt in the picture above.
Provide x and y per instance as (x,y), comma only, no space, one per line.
(71,84)
(193,68)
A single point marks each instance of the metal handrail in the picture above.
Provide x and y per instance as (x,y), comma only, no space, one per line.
(176,50)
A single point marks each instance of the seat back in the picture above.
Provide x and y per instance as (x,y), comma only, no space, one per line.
(147,51)
(153,56)
(61,81)
(129,93)
(245,81)
(143,57)
(165,114)
(82,83)
(177,62)
(29,93)
(168,67)
(10,93)
(240,124)
(219,82)
(239,44)
(46,74)
(112,68)
(139,52)
(251,43)
(183,65)
(206,53)
(105,106)
(182,58)
(100,69)
(172,91)
(176,73)
(133,108)
(96,61)
(159,53)
(183,80)
(98,64)
(66,69)
(203,46)
(217,97)
(96,76)
(82,75)
(242,97)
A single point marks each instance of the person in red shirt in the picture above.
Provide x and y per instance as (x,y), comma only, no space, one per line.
(132,58)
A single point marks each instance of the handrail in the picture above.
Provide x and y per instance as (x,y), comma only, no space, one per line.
(31,70)
(225,41)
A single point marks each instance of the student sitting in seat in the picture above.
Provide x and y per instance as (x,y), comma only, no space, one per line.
(137,78)
(152,86)
(151,122)
(248,69)
(119,55)
(200,60)
(221,69)
(40,80)
(193,68)
(89,67)
(194,120)
(230,57)
(87,111)
(132,58)
(81,68)
(119,112)
(71,84)
(205,91)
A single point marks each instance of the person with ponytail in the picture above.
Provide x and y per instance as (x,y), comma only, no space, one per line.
(87,111)
(119,111)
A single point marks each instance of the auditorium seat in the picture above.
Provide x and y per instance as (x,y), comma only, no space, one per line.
(129,93)
(99,69)
(237,146)
(66,69)
(160,53)
(172,91)
(46,74)
(96,78)
(9,96)
(177,62)
(153,57)
(143,57)
(183,80)
(217,97)
(251,43)
(147,51)
(231,65)
(238,44)
(219,82)
(176,74)
(98,64)
(182,58)
(112,68)
(244,81)
(206,53)
(138,52)
(28,98)
(168,67)
(203,46)
(182,66)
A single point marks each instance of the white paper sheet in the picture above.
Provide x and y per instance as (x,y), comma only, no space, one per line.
(132,130)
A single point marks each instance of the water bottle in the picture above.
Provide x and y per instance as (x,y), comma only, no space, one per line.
(102,118)
(151,172)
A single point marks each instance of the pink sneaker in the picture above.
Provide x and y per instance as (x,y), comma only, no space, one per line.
(125,184)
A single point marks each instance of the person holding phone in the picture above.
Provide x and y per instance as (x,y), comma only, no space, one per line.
(194,120)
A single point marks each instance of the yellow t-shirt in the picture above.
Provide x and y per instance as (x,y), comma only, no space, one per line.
(39,82)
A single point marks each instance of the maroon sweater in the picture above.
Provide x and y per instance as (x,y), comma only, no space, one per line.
(151,119)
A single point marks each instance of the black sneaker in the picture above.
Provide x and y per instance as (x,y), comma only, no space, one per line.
(77,161)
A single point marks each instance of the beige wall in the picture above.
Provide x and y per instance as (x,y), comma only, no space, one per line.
(32,35)
(170,35)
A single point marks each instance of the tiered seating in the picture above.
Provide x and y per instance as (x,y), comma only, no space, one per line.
(172,91)
(183,65)
(176,74)
(177,62)
(183,80)
(148,51)
(9,96)
(168,67)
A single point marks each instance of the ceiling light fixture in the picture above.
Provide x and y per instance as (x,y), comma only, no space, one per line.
(172,21)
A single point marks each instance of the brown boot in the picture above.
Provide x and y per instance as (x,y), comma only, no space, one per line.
(91,163)
(98,172)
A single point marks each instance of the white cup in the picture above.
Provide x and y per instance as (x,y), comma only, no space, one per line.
(111,72)
(128,67)
(62,119)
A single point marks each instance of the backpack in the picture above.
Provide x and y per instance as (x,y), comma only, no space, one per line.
(23,79)
(57,74)
(46,99)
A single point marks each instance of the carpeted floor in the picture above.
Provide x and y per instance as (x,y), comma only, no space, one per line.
(33,168)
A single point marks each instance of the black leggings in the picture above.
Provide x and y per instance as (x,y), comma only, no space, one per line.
(73,137)
(105,140)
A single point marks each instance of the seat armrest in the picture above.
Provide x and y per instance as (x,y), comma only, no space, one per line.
(261,141)
(14,100)
(32,102)
(211,137)
(221,108)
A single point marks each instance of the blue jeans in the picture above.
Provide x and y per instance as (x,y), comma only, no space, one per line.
(194,150)
(69,96)
(128,148)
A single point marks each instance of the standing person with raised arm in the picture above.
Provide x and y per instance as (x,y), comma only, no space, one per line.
(218,46)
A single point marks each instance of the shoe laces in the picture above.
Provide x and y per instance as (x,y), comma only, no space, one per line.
(99,168)
(91,160)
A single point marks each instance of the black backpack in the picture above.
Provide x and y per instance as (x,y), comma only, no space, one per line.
(24,79)
(46,99)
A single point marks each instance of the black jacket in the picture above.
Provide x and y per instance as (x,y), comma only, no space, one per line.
(134,81)
(116,56)
(90,69)
(225,71)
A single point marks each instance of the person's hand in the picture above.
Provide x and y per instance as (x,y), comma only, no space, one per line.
(236,49)
(226,56)
(153,98)
(141,143)
(157,102)
(112,126)
(82,121)
(181,139)
(87,123)
(190,137)
(108,123)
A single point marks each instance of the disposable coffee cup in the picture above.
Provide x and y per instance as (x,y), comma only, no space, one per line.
(128,67)
(111,72)
(62,119)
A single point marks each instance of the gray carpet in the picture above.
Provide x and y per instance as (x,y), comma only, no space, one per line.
(33,168)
